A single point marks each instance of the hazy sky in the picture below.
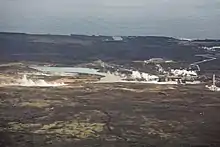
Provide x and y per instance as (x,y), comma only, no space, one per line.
(178,18)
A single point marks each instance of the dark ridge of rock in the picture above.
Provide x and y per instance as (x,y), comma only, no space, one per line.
(72,48)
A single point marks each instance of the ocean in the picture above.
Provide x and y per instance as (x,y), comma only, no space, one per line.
(175,18)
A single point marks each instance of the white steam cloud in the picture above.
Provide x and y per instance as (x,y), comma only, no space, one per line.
(144,76)
(179,72)
(213,88)
(39,83)
(214,48)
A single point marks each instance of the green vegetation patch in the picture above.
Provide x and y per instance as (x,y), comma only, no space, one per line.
(162,128)
(79,130)
(34,104)
(73,128)
(16,126)
(39,103)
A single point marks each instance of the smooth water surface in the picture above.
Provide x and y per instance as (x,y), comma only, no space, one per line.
(68,70)
(176,18)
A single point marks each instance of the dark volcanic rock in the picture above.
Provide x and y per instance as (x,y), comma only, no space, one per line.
(78,48)
(59,48)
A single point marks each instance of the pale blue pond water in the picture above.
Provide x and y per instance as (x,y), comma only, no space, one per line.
(68,70)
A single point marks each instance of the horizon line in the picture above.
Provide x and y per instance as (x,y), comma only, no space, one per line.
(179,38)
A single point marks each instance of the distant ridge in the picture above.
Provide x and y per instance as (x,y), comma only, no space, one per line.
(13,33)
(77,48)
(97,36)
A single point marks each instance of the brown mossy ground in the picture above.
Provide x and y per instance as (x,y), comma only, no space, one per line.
(110,115)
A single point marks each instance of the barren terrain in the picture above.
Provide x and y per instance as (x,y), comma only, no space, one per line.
(85,113)
(110,115)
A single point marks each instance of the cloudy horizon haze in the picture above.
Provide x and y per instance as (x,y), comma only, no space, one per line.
(176,18)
